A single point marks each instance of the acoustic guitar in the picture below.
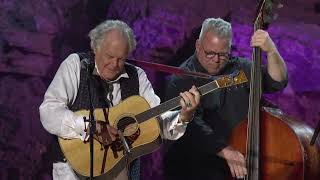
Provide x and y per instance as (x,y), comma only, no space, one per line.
(139,125)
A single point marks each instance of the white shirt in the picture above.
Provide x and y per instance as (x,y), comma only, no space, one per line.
(59,120)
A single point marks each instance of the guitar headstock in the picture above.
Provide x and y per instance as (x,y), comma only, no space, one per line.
(232,79)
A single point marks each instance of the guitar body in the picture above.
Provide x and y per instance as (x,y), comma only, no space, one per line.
(285,151)
(146,139)
(138,123)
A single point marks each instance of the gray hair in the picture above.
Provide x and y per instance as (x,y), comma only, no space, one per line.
(219,26)
(97,34)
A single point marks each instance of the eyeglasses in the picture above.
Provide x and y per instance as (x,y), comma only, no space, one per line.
(221,55)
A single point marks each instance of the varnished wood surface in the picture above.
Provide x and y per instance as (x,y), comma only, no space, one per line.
(77,152)
(285,150)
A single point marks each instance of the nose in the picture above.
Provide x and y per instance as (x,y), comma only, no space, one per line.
(114,63)
(215,58)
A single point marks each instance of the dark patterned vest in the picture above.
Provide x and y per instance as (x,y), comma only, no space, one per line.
(129,86)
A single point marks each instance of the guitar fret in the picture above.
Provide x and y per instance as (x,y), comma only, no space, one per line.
(205,89)
(121,111)
(156,111)
(173,103)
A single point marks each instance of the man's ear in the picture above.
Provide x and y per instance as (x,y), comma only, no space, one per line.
(198,45)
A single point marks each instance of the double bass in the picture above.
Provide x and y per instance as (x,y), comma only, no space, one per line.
(276,146)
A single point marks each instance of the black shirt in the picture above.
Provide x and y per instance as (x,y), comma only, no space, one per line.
(220,111)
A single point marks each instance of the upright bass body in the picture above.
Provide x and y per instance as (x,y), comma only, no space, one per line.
(285,153)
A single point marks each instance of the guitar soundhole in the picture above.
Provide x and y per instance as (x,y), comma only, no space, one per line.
(130,129)
(127,125)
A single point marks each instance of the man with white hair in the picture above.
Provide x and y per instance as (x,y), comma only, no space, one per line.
(111,42)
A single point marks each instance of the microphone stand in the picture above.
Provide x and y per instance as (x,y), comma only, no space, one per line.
(126,151)
(92,121)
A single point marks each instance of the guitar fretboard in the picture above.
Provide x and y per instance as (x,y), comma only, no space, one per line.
(173,103)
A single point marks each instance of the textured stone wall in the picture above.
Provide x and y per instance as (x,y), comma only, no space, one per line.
(36,35)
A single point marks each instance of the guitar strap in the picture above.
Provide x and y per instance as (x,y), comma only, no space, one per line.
(129,86)
(107,89)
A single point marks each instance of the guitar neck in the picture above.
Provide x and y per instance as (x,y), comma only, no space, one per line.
(173,103)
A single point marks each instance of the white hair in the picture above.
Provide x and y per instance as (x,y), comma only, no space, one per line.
(219,26)
(97,34)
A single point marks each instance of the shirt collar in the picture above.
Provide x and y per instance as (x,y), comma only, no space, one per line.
(122,75)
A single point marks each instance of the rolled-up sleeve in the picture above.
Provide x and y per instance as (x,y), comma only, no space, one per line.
(55,116)
(171,128)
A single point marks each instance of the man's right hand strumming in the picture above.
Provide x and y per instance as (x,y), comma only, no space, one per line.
(105,133)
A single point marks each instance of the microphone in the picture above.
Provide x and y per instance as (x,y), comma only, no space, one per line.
(88,64)
(87,61)
(125,145)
